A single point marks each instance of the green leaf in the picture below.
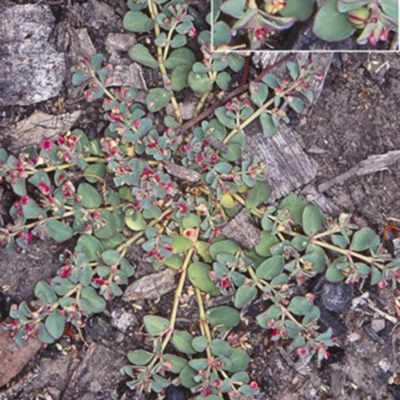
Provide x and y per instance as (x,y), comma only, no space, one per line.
(199,83)
(179,77)
(58,231)
(296,205)
(300,305)
(91,198)
(178,363)
(181,56)
(92,246)
(137,21)
(221,33)
(44,291)
(244,295)
(142,55)
(186,377)
(295,103)
(140,357)
(55,323)
(300,242)
(199,343)
(203,250)
(31,209)
(96,62)
(293,68)
(340,240)
(364,239)
(271,80)
(191,221)
(79,77)
(180,244)
(223,118)
(44,335)
(40,177)
(240,360)
(267,241)
(85,275)
(223,246)
(234,8)
(220,347)
(155,325)
(227,201)
(94,303)
(223,318)
(273,313)
(178,41)
(333,274)
(258,93)
(270,268)
(198,274)
(316,256)
(110,257)
(301,10)
(94,169)
(311,220)
(157,98)
(236,61)
(332,25)
(258,194)
(312,315)
(135,221)
(223,79)
(376,275)
(61,285)
(268,126)
(182,340)
(110,228)
(233,153)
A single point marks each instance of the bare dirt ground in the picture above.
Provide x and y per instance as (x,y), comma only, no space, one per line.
(356,117)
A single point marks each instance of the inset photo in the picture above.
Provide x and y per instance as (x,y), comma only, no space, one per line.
(305,25)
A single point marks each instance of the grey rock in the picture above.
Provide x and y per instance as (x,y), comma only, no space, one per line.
(337,297)
(31,68)
(242,231)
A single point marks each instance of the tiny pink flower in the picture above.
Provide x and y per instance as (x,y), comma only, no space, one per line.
(45,188)
(88,94)
(46,145)
(254,385)
(192,32)
(24,200)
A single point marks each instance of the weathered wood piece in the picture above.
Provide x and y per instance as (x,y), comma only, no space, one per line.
(370,165)
(39,126)
(242,231)
(13,356)
(31,68)
(150,286)
(324,203)
(92,376)
(288,167)
(183,173)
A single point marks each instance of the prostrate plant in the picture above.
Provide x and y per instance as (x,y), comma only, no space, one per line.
(339,19)
(336,20)
(176,192)
(259,22)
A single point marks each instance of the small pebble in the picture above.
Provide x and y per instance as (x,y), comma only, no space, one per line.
(378,324)
(353,337)
(123,320)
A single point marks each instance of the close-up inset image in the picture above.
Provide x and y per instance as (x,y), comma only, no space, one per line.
(305,24)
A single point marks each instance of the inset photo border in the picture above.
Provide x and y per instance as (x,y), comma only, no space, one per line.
(305,25)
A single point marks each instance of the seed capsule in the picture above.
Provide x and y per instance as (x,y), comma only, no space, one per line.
(359,18)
